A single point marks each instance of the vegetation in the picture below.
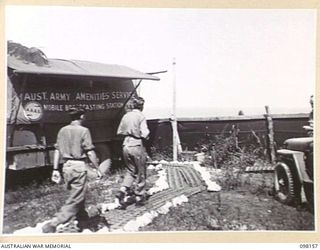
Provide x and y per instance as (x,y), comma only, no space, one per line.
(245,202)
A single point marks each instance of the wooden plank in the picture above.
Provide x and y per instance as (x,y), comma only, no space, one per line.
(260,169)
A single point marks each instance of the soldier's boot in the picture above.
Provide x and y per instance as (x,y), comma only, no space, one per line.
(120,196)
(48,228)
(141,200)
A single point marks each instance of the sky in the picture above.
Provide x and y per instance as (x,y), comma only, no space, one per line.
(226,59)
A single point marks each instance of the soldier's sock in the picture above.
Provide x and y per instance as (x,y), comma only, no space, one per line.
(140,200)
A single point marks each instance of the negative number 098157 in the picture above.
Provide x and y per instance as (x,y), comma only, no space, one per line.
(308,246)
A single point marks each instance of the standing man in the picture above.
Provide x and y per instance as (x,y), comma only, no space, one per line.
(134,127)
(309,128)
(74,146)
(311,113)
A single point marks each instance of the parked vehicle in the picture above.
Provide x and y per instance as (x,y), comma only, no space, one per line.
(41,90)
(293,174)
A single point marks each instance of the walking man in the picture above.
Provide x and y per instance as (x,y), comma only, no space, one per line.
(133,127)
(74,146)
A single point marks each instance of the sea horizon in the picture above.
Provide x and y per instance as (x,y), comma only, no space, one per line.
(203,112)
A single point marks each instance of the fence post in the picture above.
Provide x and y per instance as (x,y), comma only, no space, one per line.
(175,135)
(270,130)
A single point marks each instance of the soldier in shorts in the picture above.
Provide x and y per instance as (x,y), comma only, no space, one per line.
(133,127)
(74,146)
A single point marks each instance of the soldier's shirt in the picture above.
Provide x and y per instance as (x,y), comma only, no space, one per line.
(73,141)
(133,125)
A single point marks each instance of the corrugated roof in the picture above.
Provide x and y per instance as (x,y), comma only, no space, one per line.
(77,68)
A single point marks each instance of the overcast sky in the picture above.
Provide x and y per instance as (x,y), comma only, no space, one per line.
(235,58)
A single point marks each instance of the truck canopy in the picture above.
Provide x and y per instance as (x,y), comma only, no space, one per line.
(59,67)
(40,91)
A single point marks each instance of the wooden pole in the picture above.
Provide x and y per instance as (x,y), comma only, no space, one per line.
(177,149)
(270,135)
(174,117)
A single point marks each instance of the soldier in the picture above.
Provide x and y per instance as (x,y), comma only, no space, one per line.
(309,128)
(311,113)
(74,146)
(133,127)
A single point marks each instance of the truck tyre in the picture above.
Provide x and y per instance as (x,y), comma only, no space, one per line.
(105,166)
(284,184)
(104,154)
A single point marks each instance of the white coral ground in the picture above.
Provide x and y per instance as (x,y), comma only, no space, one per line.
(211,185)
(147,218)
(141,221)
(31,230)
(162,181)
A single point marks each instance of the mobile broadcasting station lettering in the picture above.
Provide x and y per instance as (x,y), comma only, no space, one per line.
(61,101)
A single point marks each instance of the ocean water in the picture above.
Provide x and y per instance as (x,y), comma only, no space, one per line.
(202,112)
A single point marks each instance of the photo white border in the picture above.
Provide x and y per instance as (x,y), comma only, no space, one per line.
(186,237)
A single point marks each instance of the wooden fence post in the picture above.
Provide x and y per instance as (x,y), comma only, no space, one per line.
(175,135)
(270,130)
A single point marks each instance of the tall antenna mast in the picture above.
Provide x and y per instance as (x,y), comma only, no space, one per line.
(177,149)
(174,115)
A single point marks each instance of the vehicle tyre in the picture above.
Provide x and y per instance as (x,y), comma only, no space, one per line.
(104,154)
(105,166)
(284,184)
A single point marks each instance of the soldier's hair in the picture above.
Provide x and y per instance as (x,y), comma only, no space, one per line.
(76,113)
(137,102)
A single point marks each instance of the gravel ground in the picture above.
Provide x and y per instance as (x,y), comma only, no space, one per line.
(233,210)
(244,205)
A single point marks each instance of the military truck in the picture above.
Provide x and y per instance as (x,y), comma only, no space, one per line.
(40,91)
(293,174)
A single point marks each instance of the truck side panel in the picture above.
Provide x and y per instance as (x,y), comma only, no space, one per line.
(38,109)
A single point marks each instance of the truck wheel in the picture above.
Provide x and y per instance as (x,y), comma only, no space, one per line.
(105,166)
(104,155)
(284,184)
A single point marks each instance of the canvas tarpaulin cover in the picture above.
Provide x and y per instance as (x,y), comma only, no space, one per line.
(43,93)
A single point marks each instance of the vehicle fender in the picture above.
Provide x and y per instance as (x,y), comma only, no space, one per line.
(298,158)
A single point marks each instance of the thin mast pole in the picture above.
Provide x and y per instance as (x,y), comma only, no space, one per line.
(174,116)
